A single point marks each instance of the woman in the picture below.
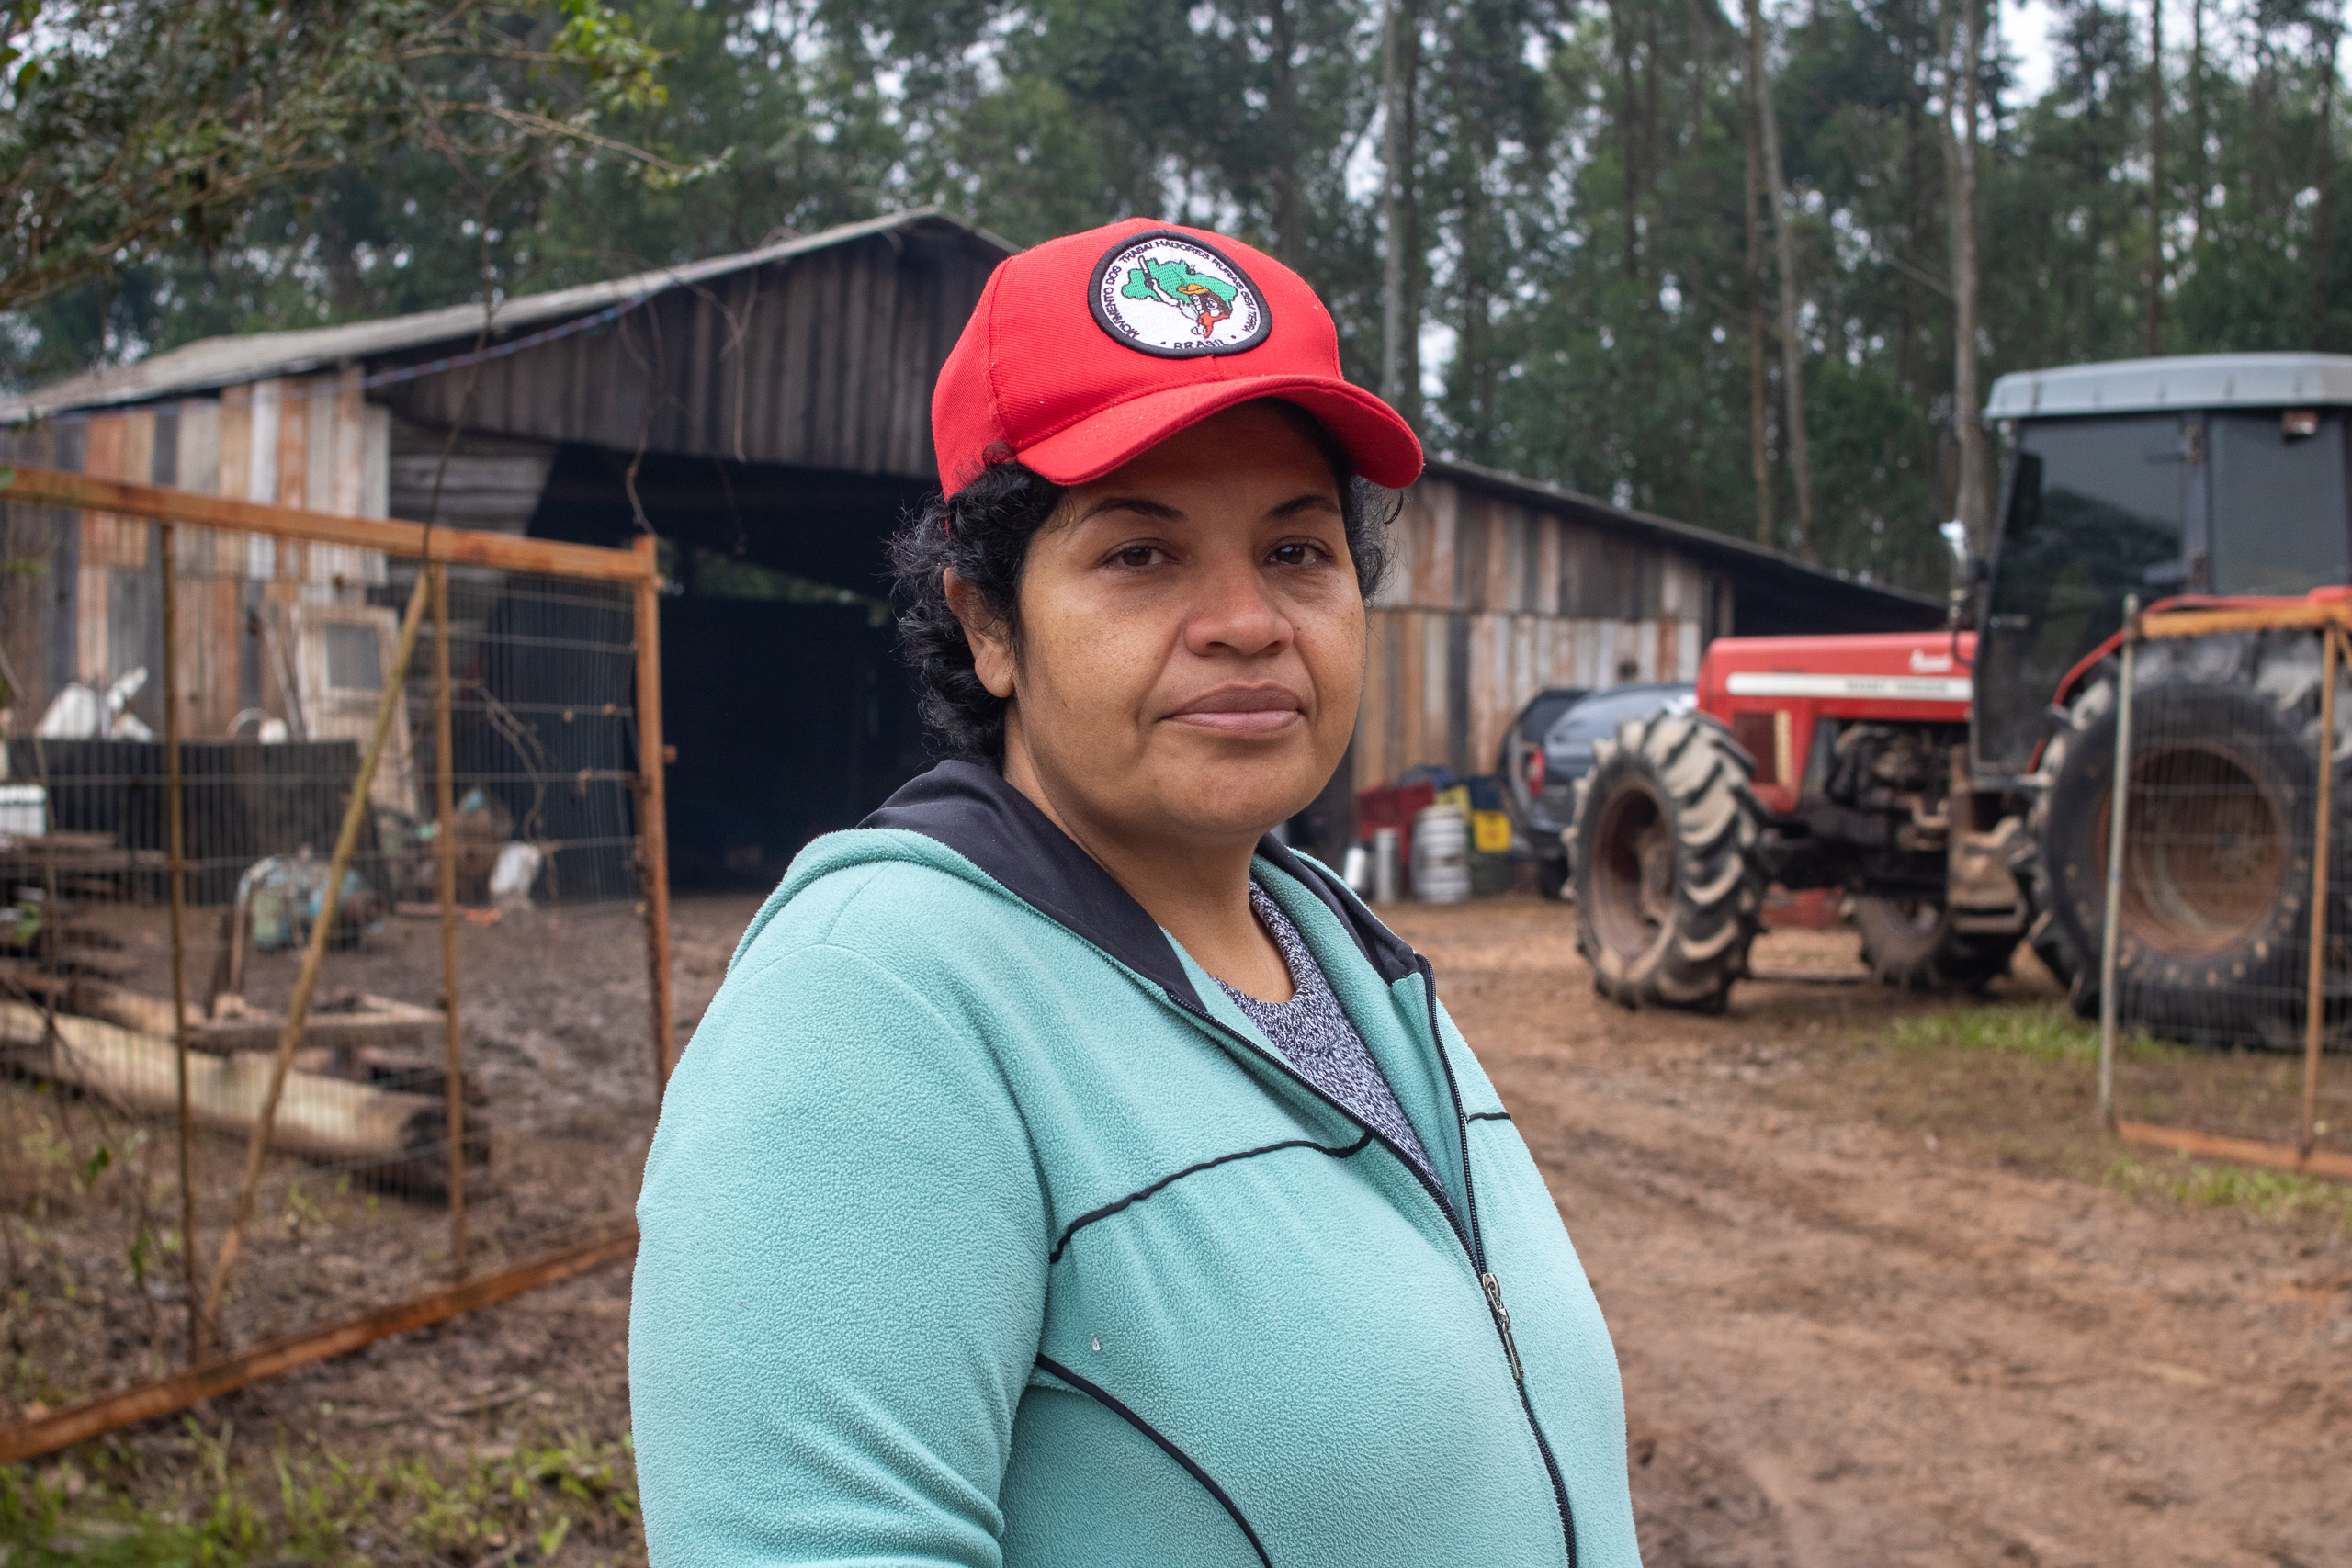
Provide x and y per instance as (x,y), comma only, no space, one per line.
(1066,1173)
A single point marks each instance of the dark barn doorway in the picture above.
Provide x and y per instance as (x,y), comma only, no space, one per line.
(782,692)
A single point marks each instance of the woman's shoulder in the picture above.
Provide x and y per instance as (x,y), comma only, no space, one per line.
(897,897)
(867,944)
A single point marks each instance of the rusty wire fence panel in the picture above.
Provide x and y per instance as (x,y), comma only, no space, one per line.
(284,655)
(2229,1014)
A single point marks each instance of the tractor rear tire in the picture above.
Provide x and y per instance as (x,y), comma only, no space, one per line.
(1909,943)
(1669,890)
(2215,911)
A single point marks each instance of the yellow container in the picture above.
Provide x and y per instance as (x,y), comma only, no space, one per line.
(1490,832)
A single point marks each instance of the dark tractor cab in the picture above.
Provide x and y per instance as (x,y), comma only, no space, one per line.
(2222,474)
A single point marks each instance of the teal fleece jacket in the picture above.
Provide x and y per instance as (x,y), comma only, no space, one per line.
(982,1228)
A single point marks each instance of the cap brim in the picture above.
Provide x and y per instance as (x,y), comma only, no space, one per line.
(1377,440)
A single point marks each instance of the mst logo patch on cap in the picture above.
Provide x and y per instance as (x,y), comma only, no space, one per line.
(1169,294)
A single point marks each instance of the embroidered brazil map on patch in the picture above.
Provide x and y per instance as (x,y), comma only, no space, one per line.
(1169,295)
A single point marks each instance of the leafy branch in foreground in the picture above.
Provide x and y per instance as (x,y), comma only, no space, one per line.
(129,126)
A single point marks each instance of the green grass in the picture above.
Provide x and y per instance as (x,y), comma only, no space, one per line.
(2267,1194)
(103,1506)
(2037,1032)
(2054,1050)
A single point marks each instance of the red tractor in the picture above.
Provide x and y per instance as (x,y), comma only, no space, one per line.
(1952,783)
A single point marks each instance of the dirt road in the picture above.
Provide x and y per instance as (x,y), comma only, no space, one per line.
(1848,1339)
(1876,1303)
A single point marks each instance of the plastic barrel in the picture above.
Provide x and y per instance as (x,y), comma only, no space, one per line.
(1442,855)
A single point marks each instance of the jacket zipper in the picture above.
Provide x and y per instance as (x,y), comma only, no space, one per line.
(1473,1243)
(1492,1286)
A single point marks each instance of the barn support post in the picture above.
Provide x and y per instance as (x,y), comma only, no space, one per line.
(2316,986)
(176,884)
(653,835)
(444,853)
(297,1008)
(2111,925)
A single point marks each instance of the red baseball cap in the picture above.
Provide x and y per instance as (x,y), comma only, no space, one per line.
(1088,350)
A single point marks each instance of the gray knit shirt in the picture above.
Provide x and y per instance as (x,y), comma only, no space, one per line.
(1316,1037)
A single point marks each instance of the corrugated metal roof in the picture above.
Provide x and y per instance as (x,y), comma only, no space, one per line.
(216,362)
(2185,381)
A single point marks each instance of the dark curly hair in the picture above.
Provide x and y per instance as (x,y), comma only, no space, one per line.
(983,531)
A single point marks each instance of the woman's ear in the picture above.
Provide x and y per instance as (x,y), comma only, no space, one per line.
(992,658)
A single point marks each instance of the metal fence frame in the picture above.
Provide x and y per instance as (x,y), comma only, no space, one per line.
(2328,614)
(215,1368)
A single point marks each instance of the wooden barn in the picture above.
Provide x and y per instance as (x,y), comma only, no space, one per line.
(766,416)
(1500,586)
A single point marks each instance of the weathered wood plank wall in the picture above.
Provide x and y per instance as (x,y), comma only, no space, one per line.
(83,597)
(1488,601)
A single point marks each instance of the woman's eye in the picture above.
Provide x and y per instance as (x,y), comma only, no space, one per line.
(1138,556)
(1300,552)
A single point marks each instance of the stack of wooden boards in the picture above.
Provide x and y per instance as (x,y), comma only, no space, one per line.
(366,1092)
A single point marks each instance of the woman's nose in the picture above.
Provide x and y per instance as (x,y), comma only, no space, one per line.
(1235,614)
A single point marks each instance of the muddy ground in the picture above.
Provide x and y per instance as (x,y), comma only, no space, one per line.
(1880,1294)
(1889,1303)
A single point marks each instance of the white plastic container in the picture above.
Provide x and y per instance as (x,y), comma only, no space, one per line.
(1384,868)
(23,811)
(1440,855)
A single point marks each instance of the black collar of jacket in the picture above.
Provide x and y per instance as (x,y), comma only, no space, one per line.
(968,807)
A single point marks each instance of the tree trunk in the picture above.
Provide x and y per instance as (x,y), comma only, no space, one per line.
(1653,145)
(1914,189)
(1784,257)
(2323,213)
(1972,501)
(1478,273)
(1289,215)
(1469,161)
(2152,337)
(1628,132)
(2197,123)
(1759,456)
(1400,347)
(2261,106)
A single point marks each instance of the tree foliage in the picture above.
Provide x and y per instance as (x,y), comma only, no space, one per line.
(1579,174)
(133,127)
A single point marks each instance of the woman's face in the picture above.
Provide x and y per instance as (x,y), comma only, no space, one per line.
(1192,637)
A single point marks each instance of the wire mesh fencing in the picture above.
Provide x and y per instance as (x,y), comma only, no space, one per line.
(2223,871)
(404,1022)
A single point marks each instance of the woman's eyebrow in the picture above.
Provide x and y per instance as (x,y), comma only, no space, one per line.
(1137,503)
(1311,500)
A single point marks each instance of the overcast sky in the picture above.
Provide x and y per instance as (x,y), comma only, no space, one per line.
(2025,27)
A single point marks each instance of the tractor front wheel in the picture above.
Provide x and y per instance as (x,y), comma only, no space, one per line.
(1669,890)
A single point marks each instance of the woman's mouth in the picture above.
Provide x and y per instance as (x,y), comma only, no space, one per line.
(1242,712)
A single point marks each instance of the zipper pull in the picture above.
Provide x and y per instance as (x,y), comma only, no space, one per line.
(1502,1323)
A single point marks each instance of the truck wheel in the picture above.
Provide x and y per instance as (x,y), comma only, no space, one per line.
(1669,891)
(1909,943)
(2218,868)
